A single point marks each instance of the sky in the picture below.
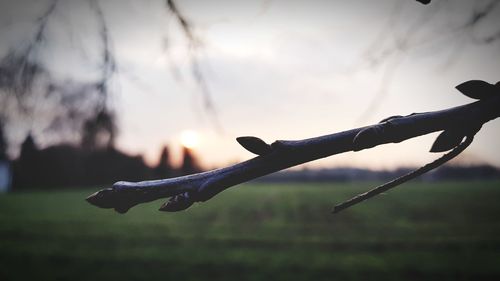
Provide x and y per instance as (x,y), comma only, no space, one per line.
(274,69)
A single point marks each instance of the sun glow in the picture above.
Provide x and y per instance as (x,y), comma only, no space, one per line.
(190,139)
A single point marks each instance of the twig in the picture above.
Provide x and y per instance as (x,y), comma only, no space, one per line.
(284,154)
(194,52)
(411,175)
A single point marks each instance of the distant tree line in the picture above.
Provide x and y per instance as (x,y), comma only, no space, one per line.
(446,172)
(96,161)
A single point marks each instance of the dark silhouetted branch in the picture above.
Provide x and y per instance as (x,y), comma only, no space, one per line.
(456,123)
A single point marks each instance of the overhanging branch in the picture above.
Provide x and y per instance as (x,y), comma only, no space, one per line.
(284,154)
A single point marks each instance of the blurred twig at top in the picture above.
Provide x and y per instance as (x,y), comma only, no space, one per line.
(17,68)
(399,39)
(108,65)
(194,44)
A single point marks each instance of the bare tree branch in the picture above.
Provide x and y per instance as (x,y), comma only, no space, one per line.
(456,123)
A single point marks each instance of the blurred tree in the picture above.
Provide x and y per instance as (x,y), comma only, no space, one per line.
(29,149)
(99,132)
(26,173)
(164,168)
(189,163)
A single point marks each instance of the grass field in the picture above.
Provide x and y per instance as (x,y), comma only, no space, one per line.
(420,231)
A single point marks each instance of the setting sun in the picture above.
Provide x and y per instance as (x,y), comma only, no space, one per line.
(190,139)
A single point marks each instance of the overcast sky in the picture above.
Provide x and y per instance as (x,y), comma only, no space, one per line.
(275,69)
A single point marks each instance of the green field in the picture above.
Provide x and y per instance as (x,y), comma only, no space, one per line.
(420,231)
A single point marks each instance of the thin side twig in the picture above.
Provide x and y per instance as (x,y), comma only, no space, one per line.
(411,175)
